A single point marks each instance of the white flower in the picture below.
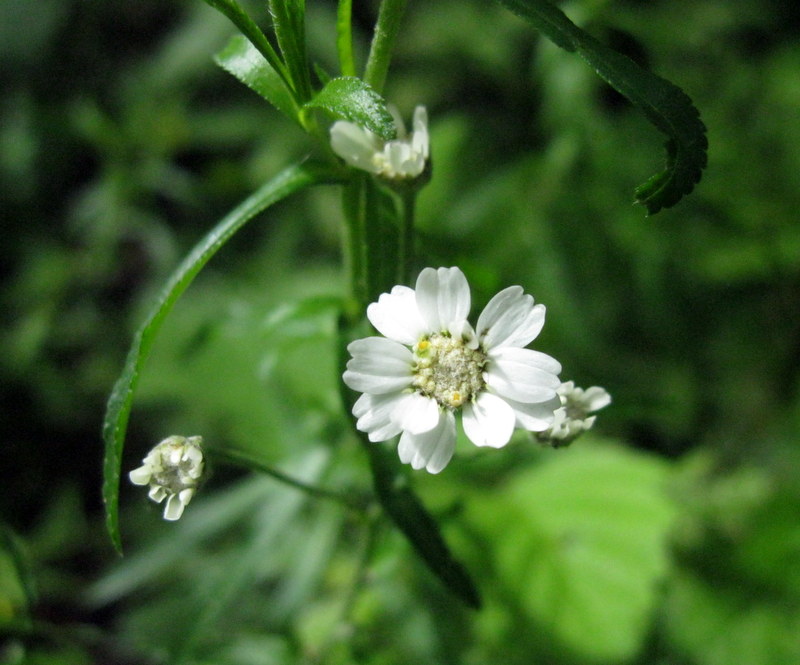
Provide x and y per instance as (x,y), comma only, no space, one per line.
(173,470)
(572,417)
(431,363)
(401,158)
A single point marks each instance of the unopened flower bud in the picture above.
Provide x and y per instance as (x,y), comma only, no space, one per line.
(572,418)
(173,469)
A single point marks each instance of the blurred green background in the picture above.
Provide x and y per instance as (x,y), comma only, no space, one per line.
(669,535)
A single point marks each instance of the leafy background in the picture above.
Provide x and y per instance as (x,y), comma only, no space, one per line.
(669,536)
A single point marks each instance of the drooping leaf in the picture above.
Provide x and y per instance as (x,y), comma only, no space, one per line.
(400,502)
(350,98)
(247,64)
(665,104)
(582,541)
(120,401)
(288,20)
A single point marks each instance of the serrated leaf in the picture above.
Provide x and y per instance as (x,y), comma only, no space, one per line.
(234,12)
(350,98)
(581,541)
(120,401)
(246,63)
(664,104)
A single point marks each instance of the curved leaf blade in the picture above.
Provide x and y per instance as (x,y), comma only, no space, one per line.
(244,61)
(664,104)
(234,12)
(120,401)
(350,98)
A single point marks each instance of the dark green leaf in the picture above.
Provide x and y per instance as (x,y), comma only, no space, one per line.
(120,401)
(664,104)
(249,29)
(350,98)
(403,506)
(246,63)
(288,19)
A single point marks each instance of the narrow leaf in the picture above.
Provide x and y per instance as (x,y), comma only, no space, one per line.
(246,63)
(249,29)
(401,503)
(410,516)
(664,104)
(288,20)
(350,98)
(120,401)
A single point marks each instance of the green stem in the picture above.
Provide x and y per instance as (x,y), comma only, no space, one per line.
(243,459)
(344,37)
(355,239)
(380,53)
(405,263)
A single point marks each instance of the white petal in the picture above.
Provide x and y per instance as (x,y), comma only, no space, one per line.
(510,319)
(416,413)
(396,316)
(373,413)
(420,142)
(157,493)
(489,421)
(431,450)
(174,508)
(537,417)
(378,366)
(596,398)
(141,476)
(399,125)
(442,298)
(513,354)
(521,381)
(355,145)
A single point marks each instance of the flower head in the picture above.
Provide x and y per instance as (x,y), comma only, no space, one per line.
(431,363)
(572,418)
(400,159)
(173,470)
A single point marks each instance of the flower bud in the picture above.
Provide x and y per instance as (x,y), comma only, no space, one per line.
(173,470)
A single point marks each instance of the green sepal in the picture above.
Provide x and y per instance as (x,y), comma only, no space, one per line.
(351,98)
(664,104)
(244,61)
(120,401)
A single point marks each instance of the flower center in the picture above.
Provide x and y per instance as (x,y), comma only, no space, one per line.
(447,370)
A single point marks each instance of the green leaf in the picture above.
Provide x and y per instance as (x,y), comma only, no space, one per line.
(246,63)
(120,401)
(664,104)
(416,523)
(401,504)
(288,19)
(581,543)
(249,29)
(350,98)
